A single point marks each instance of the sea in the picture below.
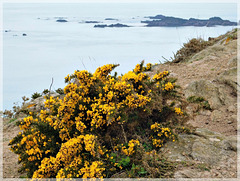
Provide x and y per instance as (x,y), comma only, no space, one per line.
(54,49)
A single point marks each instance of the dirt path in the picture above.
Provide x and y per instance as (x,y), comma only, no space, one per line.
(10,159)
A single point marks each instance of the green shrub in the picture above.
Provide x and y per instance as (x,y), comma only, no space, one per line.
(97,129)
(36,95)
(60,91)
(12,120)
(45,91)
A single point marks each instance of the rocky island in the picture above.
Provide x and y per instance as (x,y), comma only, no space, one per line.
(118,25)
(92,22)
(61,21)
(168,21)
(111,19)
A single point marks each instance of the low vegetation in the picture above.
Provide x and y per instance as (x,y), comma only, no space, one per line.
(200,100)
(190,48)
(104,126)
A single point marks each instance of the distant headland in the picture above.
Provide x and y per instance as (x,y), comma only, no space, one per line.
(168,21)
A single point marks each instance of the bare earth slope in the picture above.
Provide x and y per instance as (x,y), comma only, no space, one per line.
(215,70)
(211,152)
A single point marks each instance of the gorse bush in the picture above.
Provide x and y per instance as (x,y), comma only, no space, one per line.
(104,125)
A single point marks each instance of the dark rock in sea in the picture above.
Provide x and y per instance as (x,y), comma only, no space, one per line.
(7,31)
(118,25)
(61,20)
(111,19)
(100,26)
(167,21)
(92,22)
(157,17)
(24,34)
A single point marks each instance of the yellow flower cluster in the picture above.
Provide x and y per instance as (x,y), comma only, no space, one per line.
(69,159)
(131,76)
(131,145)
(178,111)
(135,101)
(92,171)
(137,68)
(160,75)
(26,123)
(168,86)
(140,68)
(148,67)
(155,127)
(162,134)
(32,144)
(104,70)
(47,168)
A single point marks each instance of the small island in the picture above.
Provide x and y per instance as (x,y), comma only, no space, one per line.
(111,19)
(61,21)
(168,21)
(118,25)
(92,22)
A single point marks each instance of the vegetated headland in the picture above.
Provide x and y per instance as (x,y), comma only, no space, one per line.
(176,119)
(168,21)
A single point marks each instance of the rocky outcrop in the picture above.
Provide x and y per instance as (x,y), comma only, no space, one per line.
(118,25)
(61,21)
(111,19)
(36,105)
(100,26)
(211,150)
(92,22)
(219,92)
(168,21)
(203,154)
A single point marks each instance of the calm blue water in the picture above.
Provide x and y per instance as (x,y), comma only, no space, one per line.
(53,49)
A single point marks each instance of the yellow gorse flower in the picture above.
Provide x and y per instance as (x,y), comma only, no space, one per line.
(178,111)
(65,139)
(168,86)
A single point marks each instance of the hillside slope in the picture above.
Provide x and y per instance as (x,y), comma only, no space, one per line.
(210,74)
(208,81)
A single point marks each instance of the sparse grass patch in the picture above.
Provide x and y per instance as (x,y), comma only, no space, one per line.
(203,167)
(190,48)
(12,120)
(200,100)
